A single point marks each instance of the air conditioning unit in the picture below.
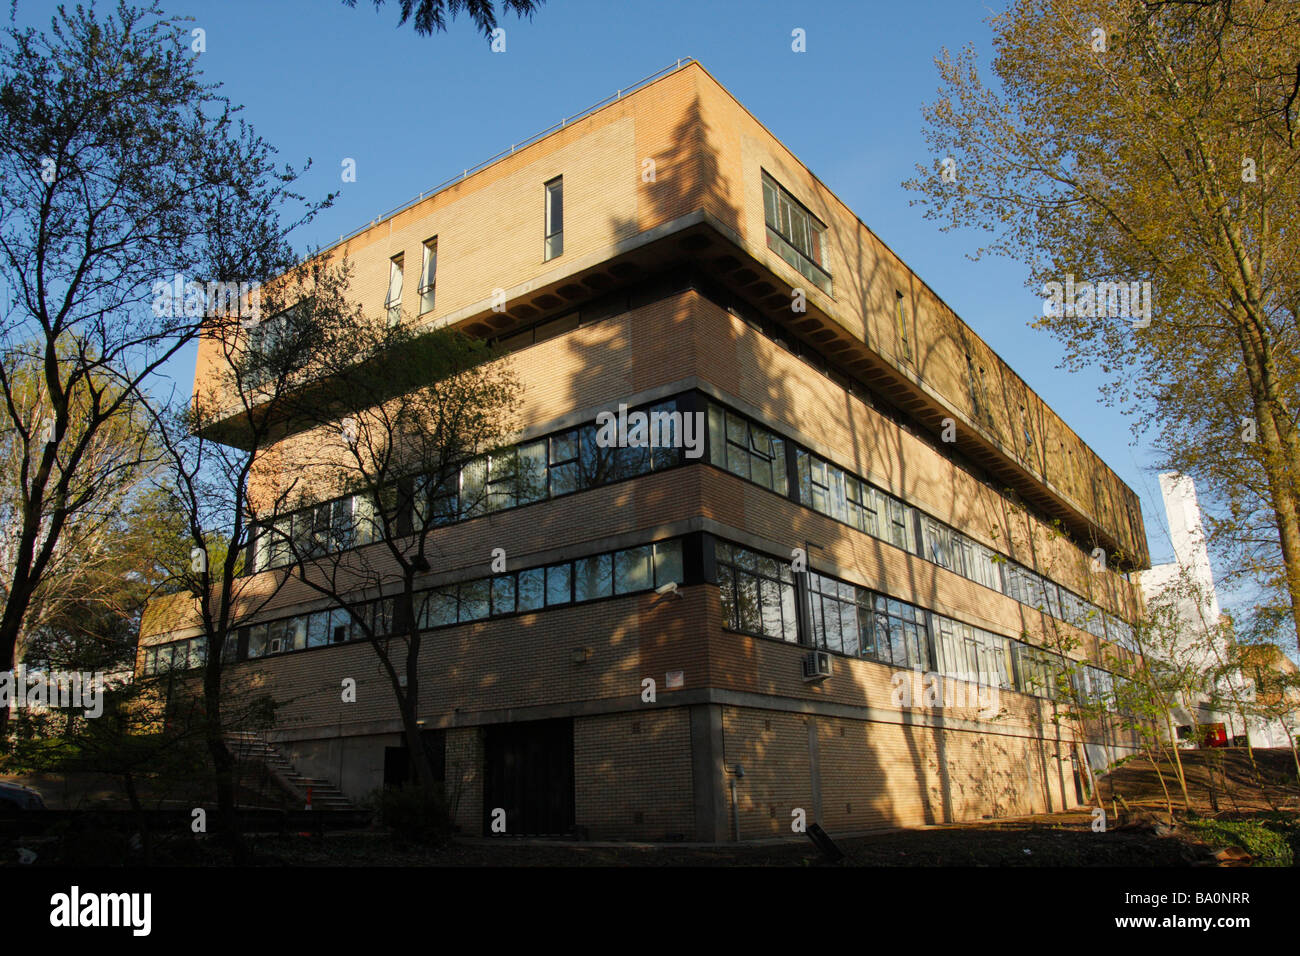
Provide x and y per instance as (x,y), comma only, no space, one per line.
(816,666)
(275,647)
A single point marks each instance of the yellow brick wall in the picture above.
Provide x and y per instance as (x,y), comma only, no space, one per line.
(633,775)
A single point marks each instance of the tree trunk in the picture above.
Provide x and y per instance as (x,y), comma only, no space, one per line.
(133,797)
(223,761)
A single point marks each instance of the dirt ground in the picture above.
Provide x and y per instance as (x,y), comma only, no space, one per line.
(1222,786)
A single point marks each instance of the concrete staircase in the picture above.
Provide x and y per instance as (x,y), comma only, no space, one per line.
(255,748)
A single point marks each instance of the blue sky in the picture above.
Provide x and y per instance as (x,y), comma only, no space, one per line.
(321,80)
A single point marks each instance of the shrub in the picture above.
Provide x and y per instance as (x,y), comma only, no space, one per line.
(416,814)
(1262,841)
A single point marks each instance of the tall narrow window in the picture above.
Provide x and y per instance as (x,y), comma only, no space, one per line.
(428,273)
(977,407)
(555,217)
(393,303)
(900,316)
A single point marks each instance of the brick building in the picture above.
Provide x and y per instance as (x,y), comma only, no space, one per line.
(665,252)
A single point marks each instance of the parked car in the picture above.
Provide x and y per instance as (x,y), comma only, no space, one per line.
(16,796)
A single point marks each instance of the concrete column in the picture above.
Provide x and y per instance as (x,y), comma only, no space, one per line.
(708,774)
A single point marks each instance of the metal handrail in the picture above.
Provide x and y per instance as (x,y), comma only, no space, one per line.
(515,147)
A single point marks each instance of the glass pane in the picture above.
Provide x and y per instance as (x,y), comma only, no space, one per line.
(503,594)
(898,642)
(737,445)
(295,634)
(866,636)
(430,261)
(717,437)
(473,600)
(770,611)
(564,447)
(275,637)
(831,624)
(383,616)
(340,626)
(668,562)
(593,577)
(788,617)
(473,490)
(531,589)
(884,651)
(727,594)
(632,570)
(747,599)
(667,437)
(849,627)
(780,482)
(564,478)
(318,629)
(532,472)
(598,465)
(554,207)
(557,583)
(440,607)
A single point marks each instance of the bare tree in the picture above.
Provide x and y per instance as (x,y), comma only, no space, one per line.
(122,174)
(250,378)
(409,435)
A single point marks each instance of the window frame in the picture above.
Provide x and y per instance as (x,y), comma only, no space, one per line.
(554,209)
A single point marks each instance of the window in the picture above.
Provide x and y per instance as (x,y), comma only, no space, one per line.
(1037,671)
(747,450)
(559,584)
(863,505)
(554,217)
(503,594)
(474,600)
(900,316)
(269,347)
(633,570)
(531,589)
(439,607)
(436,504)
(796,235)
(969,654)
(757,592)
(393,301)
(428,275)
(833,606)
(901,628)
(563,471)
(901,530)
(668,562)
(941,546)
(977,407)
(593,577)
(318,629)
(980,563)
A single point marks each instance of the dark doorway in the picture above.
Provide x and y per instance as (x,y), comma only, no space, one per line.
(397,760)
(529,775)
